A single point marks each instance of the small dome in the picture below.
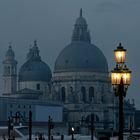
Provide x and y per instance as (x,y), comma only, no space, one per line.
(34,69)
(81,56)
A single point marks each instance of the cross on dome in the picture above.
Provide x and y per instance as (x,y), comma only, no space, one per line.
(81,12)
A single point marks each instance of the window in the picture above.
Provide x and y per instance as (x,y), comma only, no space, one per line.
(91,93)
(5,70)
(8,70)
(96,118)
(63,94)
(71,90)
(11,105)
(24,114)
(38,87)
(18,106)
(102,89)
(83,94)
(11,113)
(12,70)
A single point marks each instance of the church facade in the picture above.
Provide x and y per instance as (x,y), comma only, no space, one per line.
(79,83)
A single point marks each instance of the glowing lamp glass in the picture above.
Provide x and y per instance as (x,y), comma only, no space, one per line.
(126,78)
(120,54)
(116,77)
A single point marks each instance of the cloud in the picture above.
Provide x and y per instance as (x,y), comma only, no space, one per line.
(119,5)
(108,6)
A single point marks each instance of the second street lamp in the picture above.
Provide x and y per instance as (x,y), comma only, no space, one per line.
(72,133)
(120,54)
(120,77)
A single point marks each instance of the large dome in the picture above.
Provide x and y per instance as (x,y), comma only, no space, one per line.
(81,56)
(34,69)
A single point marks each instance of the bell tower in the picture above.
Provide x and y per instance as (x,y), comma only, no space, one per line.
(10,72)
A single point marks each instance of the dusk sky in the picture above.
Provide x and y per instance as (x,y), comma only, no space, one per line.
(51,22)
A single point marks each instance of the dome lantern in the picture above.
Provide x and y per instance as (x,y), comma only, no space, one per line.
(80,32)
(33,52)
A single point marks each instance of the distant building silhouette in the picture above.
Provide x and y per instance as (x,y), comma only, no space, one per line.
(78,87)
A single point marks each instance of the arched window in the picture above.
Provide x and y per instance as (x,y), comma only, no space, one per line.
(83,94)
(97,118)
(24,114)
(12,70)
(92,116)
(8,70)
(71,89)
(91,93)
(102,89)
(5,70)
(63,94)
(37,86)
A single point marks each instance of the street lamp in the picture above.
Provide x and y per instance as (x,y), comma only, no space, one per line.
(30,125)
(10,127)
(92,126)
(72,133)
(130,125)
(120,77)
(50,126)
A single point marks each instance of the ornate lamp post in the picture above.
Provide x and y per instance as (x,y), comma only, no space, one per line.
(50,126)
(92,126)
(120,77)
(30,125)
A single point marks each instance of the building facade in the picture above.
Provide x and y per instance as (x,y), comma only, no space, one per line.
(80,82)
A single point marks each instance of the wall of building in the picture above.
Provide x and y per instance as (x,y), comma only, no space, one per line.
(72,82)
(41,86)
(40,110)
